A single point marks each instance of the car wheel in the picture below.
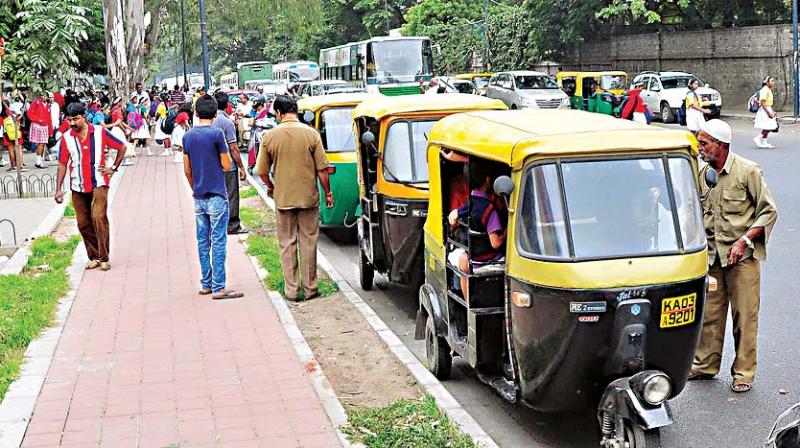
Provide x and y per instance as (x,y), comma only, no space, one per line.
(513,106)
(666,113)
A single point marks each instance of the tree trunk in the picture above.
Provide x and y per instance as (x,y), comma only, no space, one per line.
(134,39)
(116,51)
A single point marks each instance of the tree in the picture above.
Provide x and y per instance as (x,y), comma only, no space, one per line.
(43,53)
(116,49)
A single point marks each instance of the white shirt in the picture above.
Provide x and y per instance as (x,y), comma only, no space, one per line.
(177,135)
(55,114)
(139,96)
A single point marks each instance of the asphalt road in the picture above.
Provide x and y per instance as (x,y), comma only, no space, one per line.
(707,414)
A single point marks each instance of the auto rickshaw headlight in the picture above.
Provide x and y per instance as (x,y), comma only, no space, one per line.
(655,388)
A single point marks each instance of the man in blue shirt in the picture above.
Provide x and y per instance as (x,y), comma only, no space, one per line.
(205,161)
(232,177)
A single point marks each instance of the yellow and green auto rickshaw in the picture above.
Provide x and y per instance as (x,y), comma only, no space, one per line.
(481,80)
(332,116)
(594,294)
(594,91)
(393,178)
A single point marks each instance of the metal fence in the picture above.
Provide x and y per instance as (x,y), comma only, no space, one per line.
(9,224)
(33,186)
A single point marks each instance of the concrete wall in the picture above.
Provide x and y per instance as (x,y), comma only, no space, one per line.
(733,61)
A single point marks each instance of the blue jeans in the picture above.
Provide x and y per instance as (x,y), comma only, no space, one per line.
(211,216)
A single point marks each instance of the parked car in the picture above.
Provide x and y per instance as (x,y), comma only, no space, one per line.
(527,89)
(326,87)
(665,92)
(455,85)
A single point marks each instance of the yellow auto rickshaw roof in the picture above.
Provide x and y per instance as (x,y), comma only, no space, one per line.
(592,74)
(315,103)
(473,75)
(510,137)
(379,106)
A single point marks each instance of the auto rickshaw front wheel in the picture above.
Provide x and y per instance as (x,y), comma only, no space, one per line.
(437,350)
(638,437)
(366,273)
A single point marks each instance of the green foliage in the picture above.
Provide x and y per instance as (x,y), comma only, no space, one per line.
(29,301)
(245,193)
(92,56)
(69,211)
(405,424)
(455,25)
(43,52)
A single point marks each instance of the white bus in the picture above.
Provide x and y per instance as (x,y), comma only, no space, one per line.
(296,71)
(195,81)
(389,65)
(230,81)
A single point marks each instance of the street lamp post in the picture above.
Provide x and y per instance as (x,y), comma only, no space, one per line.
(795,75)
(204,44)
(183,44)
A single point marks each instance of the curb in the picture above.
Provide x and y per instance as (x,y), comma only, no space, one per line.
(444,399)
(17,261)
(19,402)
(330,402)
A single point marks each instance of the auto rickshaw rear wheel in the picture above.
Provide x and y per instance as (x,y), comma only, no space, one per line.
(366,273)
(638,437)
(437,351)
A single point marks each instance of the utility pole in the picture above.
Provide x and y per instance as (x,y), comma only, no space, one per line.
(795,75)
(486,51)
(204,44)
(183,44)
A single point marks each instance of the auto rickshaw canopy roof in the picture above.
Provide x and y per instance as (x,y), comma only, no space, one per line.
(510,137)
(379,106)
(315,103)
(474,75)
(560,75)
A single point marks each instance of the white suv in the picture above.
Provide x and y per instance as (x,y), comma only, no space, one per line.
(664,92)
(526,89)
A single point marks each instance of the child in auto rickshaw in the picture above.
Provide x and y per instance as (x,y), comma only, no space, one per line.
(489,220)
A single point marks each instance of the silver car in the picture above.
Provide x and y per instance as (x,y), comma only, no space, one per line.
(527,89)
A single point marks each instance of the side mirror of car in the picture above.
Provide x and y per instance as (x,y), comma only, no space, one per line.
(708,85)
(711,177)
(503,186)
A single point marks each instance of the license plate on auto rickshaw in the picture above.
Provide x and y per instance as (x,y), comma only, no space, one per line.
(678,311)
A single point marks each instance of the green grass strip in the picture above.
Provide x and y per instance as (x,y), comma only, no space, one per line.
(69,211)
(28,301)
(265,248)
(405,424)
(249,192)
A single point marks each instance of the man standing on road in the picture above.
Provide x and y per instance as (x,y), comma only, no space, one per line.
(205,161)
(85,149)
(177,96)
(236,172)
(739,214)
(294,154)
(138,95)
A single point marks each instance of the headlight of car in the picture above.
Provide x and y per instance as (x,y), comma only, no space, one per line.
(565,101)
(715,97)
(529,102)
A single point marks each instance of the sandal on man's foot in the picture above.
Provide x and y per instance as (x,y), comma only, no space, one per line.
(227,294)
(741,386)
(695,375)
(204,291)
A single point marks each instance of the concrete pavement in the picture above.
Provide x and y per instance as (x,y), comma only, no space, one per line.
(144,361)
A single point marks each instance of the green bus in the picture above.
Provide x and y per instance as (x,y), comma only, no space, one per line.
(388,65)
(253,71)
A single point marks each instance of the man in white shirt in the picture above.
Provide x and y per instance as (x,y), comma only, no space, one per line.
(137,95)
(243,111)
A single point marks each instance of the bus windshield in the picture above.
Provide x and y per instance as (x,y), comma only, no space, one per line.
(404,159)
(394,61)
(307,72)
(337,130)
(614,209)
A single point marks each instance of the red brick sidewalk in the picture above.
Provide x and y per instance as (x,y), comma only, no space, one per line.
(145,362)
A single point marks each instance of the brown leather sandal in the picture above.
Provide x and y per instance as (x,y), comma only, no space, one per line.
(695,375)
(741,387)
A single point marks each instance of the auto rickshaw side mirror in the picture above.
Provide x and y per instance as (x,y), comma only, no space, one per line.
(711,178)
(308,117)
(503,186)
(368,138)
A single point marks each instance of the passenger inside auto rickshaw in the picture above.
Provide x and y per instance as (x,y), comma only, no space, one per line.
(487,218)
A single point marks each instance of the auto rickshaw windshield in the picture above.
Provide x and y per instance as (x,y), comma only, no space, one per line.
(404,155)
(614,209)
(481,81)
(337,129)
(612,82)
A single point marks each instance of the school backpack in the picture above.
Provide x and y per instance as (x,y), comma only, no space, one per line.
(154,108)
(135,119)
(753,104)
(168,123)
(10,129)
(681,115)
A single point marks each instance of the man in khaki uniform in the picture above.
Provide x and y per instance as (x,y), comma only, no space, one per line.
(294,154)
(739,214)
